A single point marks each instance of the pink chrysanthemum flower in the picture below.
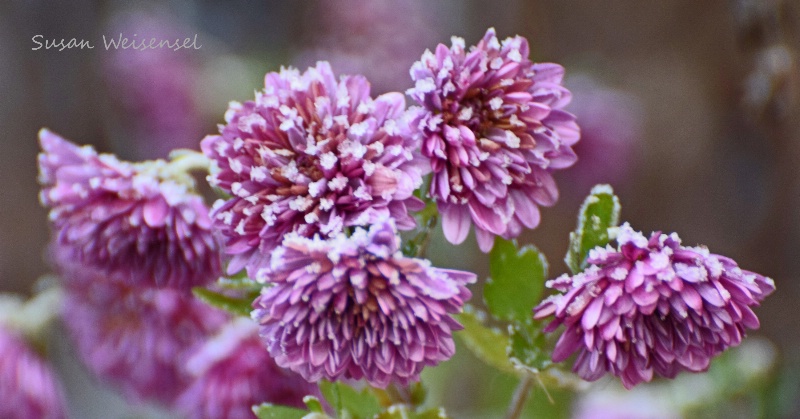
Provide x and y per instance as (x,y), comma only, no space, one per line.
(139,339)
(126,219)
(493,127)
(651,306)
(233,372)
(310,155)
(28,387)
(353,307)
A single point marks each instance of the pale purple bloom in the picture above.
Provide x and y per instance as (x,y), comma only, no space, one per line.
(355,307)
(651,306)
(233,371)
(139,339)
(126,219)
(310,155)
(492,125)
(28,387)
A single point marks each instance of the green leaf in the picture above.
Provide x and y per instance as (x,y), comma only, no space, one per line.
(486,343)
(599,212)
(516,282)
(238,306)
(313,404)
(348,402)
(527,349)
(401,411)
(271,411)
(417,393)
(239,282)
(433,413)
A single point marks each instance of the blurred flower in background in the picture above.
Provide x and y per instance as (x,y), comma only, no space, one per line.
(377,38)
(611,122)
(28,386)
(138,339)
(233,371)
(152,92)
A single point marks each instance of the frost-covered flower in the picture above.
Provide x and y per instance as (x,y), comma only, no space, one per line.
(233,372)
(310,155)
(28,387)
(353,307)
(492,125)
(139,339)
(126,219)
(651,306)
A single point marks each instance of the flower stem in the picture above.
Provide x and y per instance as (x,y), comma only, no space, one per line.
(521,394)
(185,160)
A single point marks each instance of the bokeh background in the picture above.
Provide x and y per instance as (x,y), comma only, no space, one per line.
(690,109)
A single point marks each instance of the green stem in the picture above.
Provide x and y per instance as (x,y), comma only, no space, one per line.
(521,395)
(184,161)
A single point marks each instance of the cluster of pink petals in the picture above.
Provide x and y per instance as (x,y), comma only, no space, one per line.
(651,306)
(28,387)
(355,307)
(124,219)
(136,338)
(311,155)
(492,125)
(232,372)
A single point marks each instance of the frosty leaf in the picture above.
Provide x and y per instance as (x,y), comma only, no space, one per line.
(271,411)
(516,282)
(348,402)
(599,211)
(486,343)
(401,411)
(239,306)
(527,349)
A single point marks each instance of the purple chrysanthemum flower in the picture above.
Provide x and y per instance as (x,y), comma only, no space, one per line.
(353,307)
(139,339)
(651,306)
(493,128)
(233,372)
(126,219)
(310,155)
(28,387)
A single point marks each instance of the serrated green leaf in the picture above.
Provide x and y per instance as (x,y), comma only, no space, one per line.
(486,343)
(271,411)
(599,212)
(527,348)
(238,306)
(516,282)
(348,402)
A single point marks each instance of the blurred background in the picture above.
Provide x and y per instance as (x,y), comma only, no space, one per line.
(691,110)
